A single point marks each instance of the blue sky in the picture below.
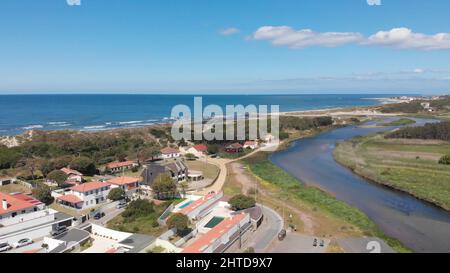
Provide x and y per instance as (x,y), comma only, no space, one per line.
(245,46)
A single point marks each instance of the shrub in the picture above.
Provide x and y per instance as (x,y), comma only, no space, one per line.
(445,160)
(138,208)
(57,176)
(43,194)
(178,221)
(84,165)
(116,194)
(240,202)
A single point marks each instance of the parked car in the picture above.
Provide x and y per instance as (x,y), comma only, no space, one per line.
(58,230)
(282,235)
(322,243)
(99,215)
(5,247)
(22,242)
(121,205)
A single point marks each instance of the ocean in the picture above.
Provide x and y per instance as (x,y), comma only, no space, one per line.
(19,113)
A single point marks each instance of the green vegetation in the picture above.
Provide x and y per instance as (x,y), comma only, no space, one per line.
(294,191)
(43,194)
(210,171)
(164,186)
(408,165)
(399,122)
(57,176)
(440,131)
(84,165)
(241,202)
(445,160)
(140,217)
(178,221)
(116,194)
(190,156)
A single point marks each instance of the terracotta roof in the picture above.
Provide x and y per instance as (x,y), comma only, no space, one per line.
(70,171)
(200,147)
(235,146)
(85,187)
(27,198)
(113,165)
(70,198)
(124,180)
(14,203)
(213,234)
(169,150)
(197,203)
(249,142)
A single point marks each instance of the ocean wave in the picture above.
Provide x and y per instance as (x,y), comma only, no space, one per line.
(59,124)
(130,122)
(94,127)
(31,127)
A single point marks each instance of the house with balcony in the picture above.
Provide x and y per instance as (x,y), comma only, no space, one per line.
(84,196)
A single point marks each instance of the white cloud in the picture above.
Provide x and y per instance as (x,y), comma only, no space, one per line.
(229,31)
(405,38)
(402,38)
(287,36)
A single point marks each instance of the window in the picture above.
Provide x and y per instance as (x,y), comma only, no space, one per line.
(14,214)
(23,211)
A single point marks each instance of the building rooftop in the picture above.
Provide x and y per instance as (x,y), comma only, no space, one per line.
(137,242)
(123,180)
(13,203)
(200,147)
(70,171)
(89,186)
(197,203)
(169,150)
(113,165)
(28,198)
(213,234)
(70,198)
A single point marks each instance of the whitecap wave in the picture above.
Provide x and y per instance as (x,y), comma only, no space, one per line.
(31,127)
(130,122)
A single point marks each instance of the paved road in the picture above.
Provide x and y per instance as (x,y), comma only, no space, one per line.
(300,243)
(365,245)
(268,231)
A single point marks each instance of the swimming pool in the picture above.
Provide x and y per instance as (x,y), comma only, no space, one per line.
(214,222)
(185,204)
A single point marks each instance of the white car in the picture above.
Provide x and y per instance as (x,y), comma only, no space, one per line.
(4,247)
(22,242)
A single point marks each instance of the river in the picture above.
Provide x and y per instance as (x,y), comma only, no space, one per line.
(417,224)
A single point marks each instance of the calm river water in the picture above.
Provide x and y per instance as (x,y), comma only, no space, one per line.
(417,224)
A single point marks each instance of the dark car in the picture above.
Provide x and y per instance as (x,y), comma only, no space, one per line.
(322,243)
(315,242)
(99,215)
(58,230)
(282,235)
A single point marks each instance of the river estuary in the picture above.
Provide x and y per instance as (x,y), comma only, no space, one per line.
(417,224)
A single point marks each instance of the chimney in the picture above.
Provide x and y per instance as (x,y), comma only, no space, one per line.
(4,204)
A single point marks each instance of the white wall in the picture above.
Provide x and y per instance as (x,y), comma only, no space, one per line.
(109,233)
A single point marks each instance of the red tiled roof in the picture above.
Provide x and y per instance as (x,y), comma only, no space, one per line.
(197,203)
(14,203)
(235,146)
(249,142)
(124,180)
(85,187)
(169,150)
(70,171)
(111,250)
(213,234)
(200,147)
(27,198)
(70,198)
(113,165)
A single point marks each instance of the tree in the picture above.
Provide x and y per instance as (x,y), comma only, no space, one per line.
(138,208)
(240,202)
(213,149)
(164,185)
(445,160)
(84,165)
(184,186)
(58,176)
(116,194)
(43,194)
(190,156)
(178,221)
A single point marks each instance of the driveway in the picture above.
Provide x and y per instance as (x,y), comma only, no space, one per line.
(267,231)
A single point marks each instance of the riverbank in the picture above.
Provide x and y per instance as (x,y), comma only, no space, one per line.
(410,166)
(312,211)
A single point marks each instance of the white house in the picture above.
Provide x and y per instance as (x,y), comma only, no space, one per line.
(198,150)
(74,176)
(251,144)
(168,153)
(116,167)
(85,195)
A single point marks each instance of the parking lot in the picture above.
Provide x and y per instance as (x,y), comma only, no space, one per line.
(299,243)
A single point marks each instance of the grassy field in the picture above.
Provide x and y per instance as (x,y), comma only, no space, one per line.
(408,165)
(15,188)
(210,171)
(330,216)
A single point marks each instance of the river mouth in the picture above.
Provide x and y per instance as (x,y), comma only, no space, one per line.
(419,225)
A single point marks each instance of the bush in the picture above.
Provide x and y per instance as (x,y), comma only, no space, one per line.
(190,156)
(445,160)
(84,165)
(164,185)
(240,202)
(178,221)
(138,208)
(116,194)
(43,194)
(57,176)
